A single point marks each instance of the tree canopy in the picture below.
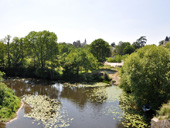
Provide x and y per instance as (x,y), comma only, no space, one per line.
(78,60)
(140,42)
(100,49)
(120,48)
(146,74)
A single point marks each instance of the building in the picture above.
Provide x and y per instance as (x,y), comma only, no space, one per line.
(78,44)
(167,39)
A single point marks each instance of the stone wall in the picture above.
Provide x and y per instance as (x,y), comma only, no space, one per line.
(156,123)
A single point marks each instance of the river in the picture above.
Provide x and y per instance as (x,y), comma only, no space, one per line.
(84,105)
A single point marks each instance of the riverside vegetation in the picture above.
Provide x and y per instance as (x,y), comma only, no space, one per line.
(38,55)
(9,103)
(145,78)
(144,75)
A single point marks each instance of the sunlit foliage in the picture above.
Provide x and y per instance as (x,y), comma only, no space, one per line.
(9,103)
(146,74)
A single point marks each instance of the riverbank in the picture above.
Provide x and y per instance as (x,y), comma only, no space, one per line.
(9,102)
(16,114)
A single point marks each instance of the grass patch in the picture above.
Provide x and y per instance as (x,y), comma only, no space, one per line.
(164,112)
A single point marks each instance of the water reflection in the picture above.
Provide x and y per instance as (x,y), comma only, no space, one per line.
(90,107)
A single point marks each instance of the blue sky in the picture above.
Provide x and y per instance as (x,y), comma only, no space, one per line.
(71,20)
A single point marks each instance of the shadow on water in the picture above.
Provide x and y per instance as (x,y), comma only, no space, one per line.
(90,107)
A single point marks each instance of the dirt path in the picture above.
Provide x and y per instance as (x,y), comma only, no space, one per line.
(115,75)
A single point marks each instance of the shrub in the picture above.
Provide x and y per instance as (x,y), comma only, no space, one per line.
(116,59)
(9,103)
(164,110)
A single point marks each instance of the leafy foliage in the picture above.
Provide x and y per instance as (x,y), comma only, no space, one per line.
(167,45)
(9,103)
(164,111)
(64,48)
(146,73)
(117,59)
(140,42)
(100,49)
(128,49)
(120,48)
(76,61)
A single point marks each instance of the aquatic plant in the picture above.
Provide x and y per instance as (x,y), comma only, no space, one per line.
(113,98)
(98,95)
(132,120)
(109,95)
(132,117)
(48,111)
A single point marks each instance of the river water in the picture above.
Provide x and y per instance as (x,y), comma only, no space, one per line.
(89,107)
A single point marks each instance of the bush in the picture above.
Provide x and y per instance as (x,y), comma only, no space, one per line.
(164,110)
(9,103)
(116,59)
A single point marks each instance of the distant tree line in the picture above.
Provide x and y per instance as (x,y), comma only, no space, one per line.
(39,55)
(123,49)
(126,48)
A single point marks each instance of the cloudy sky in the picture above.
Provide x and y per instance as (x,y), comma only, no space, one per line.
(71,20)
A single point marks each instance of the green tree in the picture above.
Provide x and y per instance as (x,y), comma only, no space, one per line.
(16,51)
(78,60)
(167,45)
(120,47)
(113,44)
(140,42)
(42,47)
(161,42)
(100,49)
(7,39)
(128,49)
(41,51)
(65,48)
(2,54)
(146,73)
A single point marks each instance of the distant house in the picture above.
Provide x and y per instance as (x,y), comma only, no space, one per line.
(167,39)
